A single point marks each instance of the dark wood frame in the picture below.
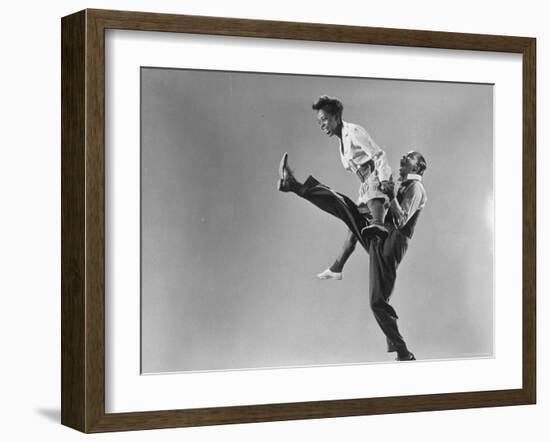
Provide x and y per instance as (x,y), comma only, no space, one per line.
(83,218)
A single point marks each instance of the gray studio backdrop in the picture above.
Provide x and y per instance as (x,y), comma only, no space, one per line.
(228,263)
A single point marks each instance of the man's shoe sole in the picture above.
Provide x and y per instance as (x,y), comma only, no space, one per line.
(282,165)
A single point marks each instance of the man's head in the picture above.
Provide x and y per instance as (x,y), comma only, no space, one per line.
(412,162)
(329,114)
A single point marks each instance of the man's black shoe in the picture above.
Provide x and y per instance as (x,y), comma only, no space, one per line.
(286,181)
(406,357)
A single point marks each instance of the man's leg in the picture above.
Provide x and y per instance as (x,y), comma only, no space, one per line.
(335,203)
(385,256)
(323,197)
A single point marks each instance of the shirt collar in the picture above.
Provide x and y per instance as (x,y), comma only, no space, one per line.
(409,177)
(413,177)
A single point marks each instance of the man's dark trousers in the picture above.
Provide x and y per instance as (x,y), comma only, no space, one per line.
(384,255)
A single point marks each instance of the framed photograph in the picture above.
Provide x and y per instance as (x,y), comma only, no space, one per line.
(267,221)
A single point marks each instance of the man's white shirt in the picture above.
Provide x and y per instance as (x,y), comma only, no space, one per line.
(414,199)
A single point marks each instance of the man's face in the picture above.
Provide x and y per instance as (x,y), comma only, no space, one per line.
(407,165)
(328,122)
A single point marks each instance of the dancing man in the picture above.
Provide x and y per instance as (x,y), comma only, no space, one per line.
(362,156)
(385,254)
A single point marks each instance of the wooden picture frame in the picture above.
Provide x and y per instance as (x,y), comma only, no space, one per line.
(83,220)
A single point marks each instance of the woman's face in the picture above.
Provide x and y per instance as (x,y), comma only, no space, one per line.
(329,123)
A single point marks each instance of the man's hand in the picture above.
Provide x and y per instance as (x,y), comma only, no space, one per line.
(388,187)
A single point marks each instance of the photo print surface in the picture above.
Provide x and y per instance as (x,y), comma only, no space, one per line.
(231,266)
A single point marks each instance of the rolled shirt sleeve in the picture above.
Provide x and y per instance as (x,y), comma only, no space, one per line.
(360,138)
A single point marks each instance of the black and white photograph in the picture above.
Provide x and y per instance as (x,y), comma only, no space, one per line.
(269,221)
(307,220)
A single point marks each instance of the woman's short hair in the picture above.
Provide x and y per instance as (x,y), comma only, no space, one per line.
(330,105)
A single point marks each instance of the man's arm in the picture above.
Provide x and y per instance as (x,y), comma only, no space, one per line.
(413,200)
(362,139)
